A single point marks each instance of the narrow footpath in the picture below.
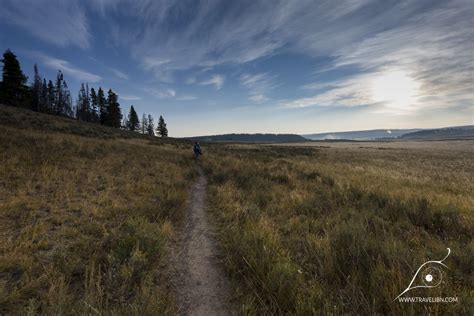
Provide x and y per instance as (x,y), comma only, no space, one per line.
(201,285)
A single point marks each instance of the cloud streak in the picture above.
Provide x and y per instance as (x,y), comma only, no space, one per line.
(212,43)
(62,23)
(435,48)
(68,69)
(216,80)
(258,84)
(349,92)
(129,97)
(168,93)
(119,74)
(173,37)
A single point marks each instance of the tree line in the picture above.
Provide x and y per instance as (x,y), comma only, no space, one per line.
(55,98)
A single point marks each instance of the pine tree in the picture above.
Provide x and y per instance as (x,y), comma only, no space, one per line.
(81,111)
(43,106)
(150,128)
(59,98)
(67,109)
(114,113)
(133,124)
(83,107)
(51,97)
(161,130)
(94,106)
(36,89)
(102,104)
(87,104)
(144,126)
(13,90)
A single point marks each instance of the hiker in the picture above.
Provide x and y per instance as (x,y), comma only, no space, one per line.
(197,150)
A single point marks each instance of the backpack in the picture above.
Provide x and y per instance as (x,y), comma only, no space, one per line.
(197,149)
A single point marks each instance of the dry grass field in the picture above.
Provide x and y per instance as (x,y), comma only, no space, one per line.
(86,215)
(337,228)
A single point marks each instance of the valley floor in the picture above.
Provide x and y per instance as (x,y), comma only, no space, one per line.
(336,228)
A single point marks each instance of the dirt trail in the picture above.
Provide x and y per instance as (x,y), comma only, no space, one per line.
(200,282)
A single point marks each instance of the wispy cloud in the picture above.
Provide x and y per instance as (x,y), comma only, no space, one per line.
(349,92)
(68,69)
(62,23)
(129,97)
(168,93)
(429,40)
(190,80)
(161,93)
(223,32)
(119,74)
(421,35)
(259,85)
(434,48)
(258,98)
(186,98)
(216,80)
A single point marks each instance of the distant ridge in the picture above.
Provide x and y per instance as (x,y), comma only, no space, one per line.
(362,135)
(466,131)
(442,133)
(251,138)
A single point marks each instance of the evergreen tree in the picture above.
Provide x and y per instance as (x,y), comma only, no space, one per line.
(94,106)
(59,98)
(81,105)
(83,108)
(102,104)
(114,114)
(133,123)
(43,106)
(13,90)
(87,104)
(36,90)
(51,97)
(144,126)
(67,101)
(161,130)
(150,128)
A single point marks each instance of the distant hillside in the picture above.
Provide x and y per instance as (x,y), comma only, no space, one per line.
(255,138)
(362,135)
(447,132)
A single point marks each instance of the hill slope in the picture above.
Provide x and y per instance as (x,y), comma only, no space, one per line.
(86,215)
(443,133)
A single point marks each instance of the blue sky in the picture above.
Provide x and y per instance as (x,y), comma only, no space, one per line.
(212,67)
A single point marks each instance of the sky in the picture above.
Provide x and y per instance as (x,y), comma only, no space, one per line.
(303,66)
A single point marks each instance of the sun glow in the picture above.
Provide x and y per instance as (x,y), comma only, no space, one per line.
(395,89)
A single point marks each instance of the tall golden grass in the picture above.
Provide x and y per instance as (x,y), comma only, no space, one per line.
(308,230)
(86,216)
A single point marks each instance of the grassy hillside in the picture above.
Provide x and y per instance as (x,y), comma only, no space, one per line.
(307,230)
(86,215)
